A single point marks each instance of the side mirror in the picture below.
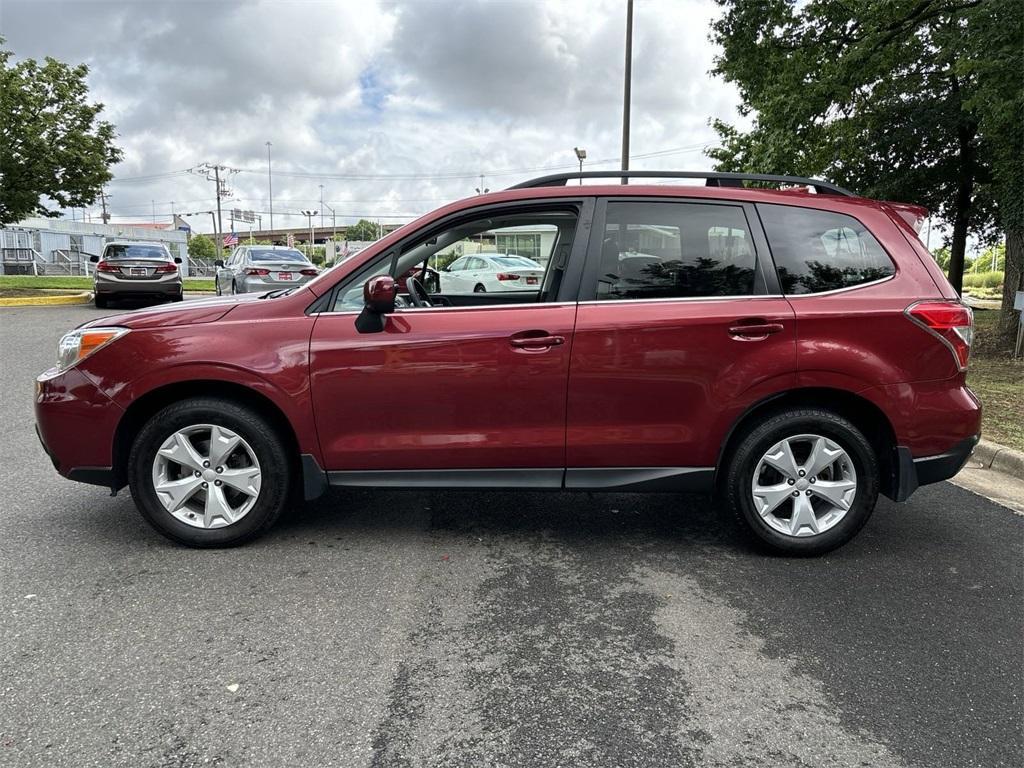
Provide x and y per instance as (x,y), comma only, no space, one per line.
(94,259)
(177,259)
(379,296)
(218,263)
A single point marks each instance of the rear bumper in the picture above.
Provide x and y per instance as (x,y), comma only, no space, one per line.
(169,285)
(262,285)
(912,473)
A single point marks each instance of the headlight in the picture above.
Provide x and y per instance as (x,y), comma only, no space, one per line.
(78,345)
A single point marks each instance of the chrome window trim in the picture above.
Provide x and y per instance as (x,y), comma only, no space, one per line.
(741,297)
(842,290)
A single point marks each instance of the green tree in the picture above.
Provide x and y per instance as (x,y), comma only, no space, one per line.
(53,146)
(202,247)
(995,62)
(363,230)
(878,95)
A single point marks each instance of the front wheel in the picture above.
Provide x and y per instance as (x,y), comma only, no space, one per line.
(208,472)
(803,482)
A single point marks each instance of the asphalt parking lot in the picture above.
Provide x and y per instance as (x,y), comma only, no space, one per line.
(492,629)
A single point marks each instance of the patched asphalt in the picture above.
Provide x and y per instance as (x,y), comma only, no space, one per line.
(492,629)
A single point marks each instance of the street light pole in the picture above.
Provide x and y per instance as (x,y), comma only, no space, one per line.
(626,88)
(309,217)
(321,206)
(270,186)
(581,155)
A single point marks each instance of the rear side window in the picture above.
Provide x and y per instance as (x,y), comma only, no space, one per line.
(675,250)
(818,251)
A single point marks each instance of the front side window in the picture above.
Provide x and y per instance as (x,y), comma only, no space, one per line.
(462,265)
(658,250)
(816,251)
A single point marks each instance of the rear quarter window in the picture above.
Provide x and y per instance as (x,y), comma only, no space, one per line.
(817,251)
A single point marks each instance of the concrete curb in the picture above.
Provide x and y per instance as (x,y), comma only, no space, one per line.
(1000,458)
(47,301)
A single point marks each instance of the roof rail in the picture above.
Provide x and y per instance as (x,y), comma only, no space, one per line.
(712,179)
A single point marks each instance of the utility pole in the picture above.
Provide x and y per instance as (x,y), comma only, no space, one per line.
(105,217)
(270,186)
(626,88)
(222,192)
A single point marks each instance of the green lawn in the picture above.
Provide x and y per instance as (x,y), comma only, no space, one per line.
(83,283)
(999,381)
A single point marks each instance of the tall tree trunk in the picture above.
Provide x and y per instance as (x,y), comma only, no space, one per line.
(1013,279)
(966,169)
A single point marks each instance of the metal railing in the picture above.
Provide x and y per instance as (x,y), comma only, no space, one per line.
(21,261)
(68,262)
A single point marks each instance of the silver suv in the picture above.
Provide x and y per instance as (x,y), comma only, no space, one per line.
(259,268)
(136,270)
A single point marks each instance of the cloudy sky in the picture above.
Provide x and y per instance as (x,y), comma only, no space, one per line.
(394,108)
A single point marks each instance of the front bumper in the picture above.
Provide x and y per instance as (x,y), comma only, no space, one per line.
(912,473)
(76,423)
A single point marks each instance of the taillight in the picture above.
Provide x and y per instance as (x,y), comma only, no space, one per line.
(310,272)
(106,266)
(951,321)
(507,276)
(166,269)
(257,272)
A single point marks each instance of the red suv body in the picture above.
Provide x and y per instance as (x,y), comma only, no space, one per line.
(796,353)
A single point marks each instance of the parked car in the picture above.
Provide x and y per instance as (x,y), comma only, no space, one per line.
(795,352)
(262,268)
(482,272)
(128,270)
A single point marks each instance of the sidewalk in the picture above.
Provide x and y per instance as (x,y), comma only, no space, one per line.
(997,473)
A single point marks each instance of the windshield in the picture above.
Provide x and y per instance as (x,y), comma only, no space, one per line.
(115,252)
(278,254)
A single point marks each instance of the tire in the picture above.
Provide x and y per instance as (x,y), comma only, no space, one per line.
(101,302)
(839,522)
(179,296)
(478,288)
(272,460)
(234,288)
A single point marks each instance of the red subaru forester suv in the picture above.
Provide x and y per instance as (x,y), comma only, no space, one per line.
(793,350)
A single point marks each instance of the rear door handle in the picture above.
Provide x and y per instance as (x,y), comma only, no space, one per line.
(542,341)
(755,330)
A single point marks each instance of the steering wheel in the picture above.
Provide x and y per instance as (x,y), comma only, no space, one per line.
(417,293)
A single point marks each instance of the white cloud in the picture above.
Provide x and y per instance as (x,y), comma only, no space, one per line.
(424,88)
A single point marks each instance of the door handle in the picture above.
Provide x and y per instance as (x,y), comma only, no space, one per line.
(756,330)
(542,341)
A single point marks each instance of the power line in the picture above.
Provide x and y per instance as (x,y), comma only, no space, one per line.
(451,175)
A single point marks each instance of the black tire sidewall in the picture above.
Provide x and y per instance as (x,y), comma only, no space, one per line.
(787,424)
(266,444)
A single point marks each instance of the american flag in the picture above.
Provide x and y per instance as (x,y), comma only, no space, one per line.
(230,240)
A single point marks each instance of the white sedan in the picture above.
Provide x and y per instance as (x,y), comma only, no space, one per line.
(483,272)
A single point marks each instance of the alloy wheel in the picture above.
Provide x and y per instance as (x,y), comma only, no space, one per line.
(804,485)
(206,476)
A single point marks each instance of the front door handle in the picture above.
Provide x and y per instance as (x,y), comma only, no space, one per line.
(535,340)
(758,329)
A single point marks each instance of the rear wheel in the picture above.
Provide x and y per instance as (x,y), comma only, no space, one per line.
(803,482)
(208,472)
(101,302)
(479,288)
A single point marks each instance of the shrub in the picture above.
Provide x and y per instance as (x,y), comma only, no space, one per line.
(983,279)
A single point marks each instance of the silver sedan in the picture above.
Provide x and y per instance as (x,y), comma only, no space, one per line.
(261,268)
